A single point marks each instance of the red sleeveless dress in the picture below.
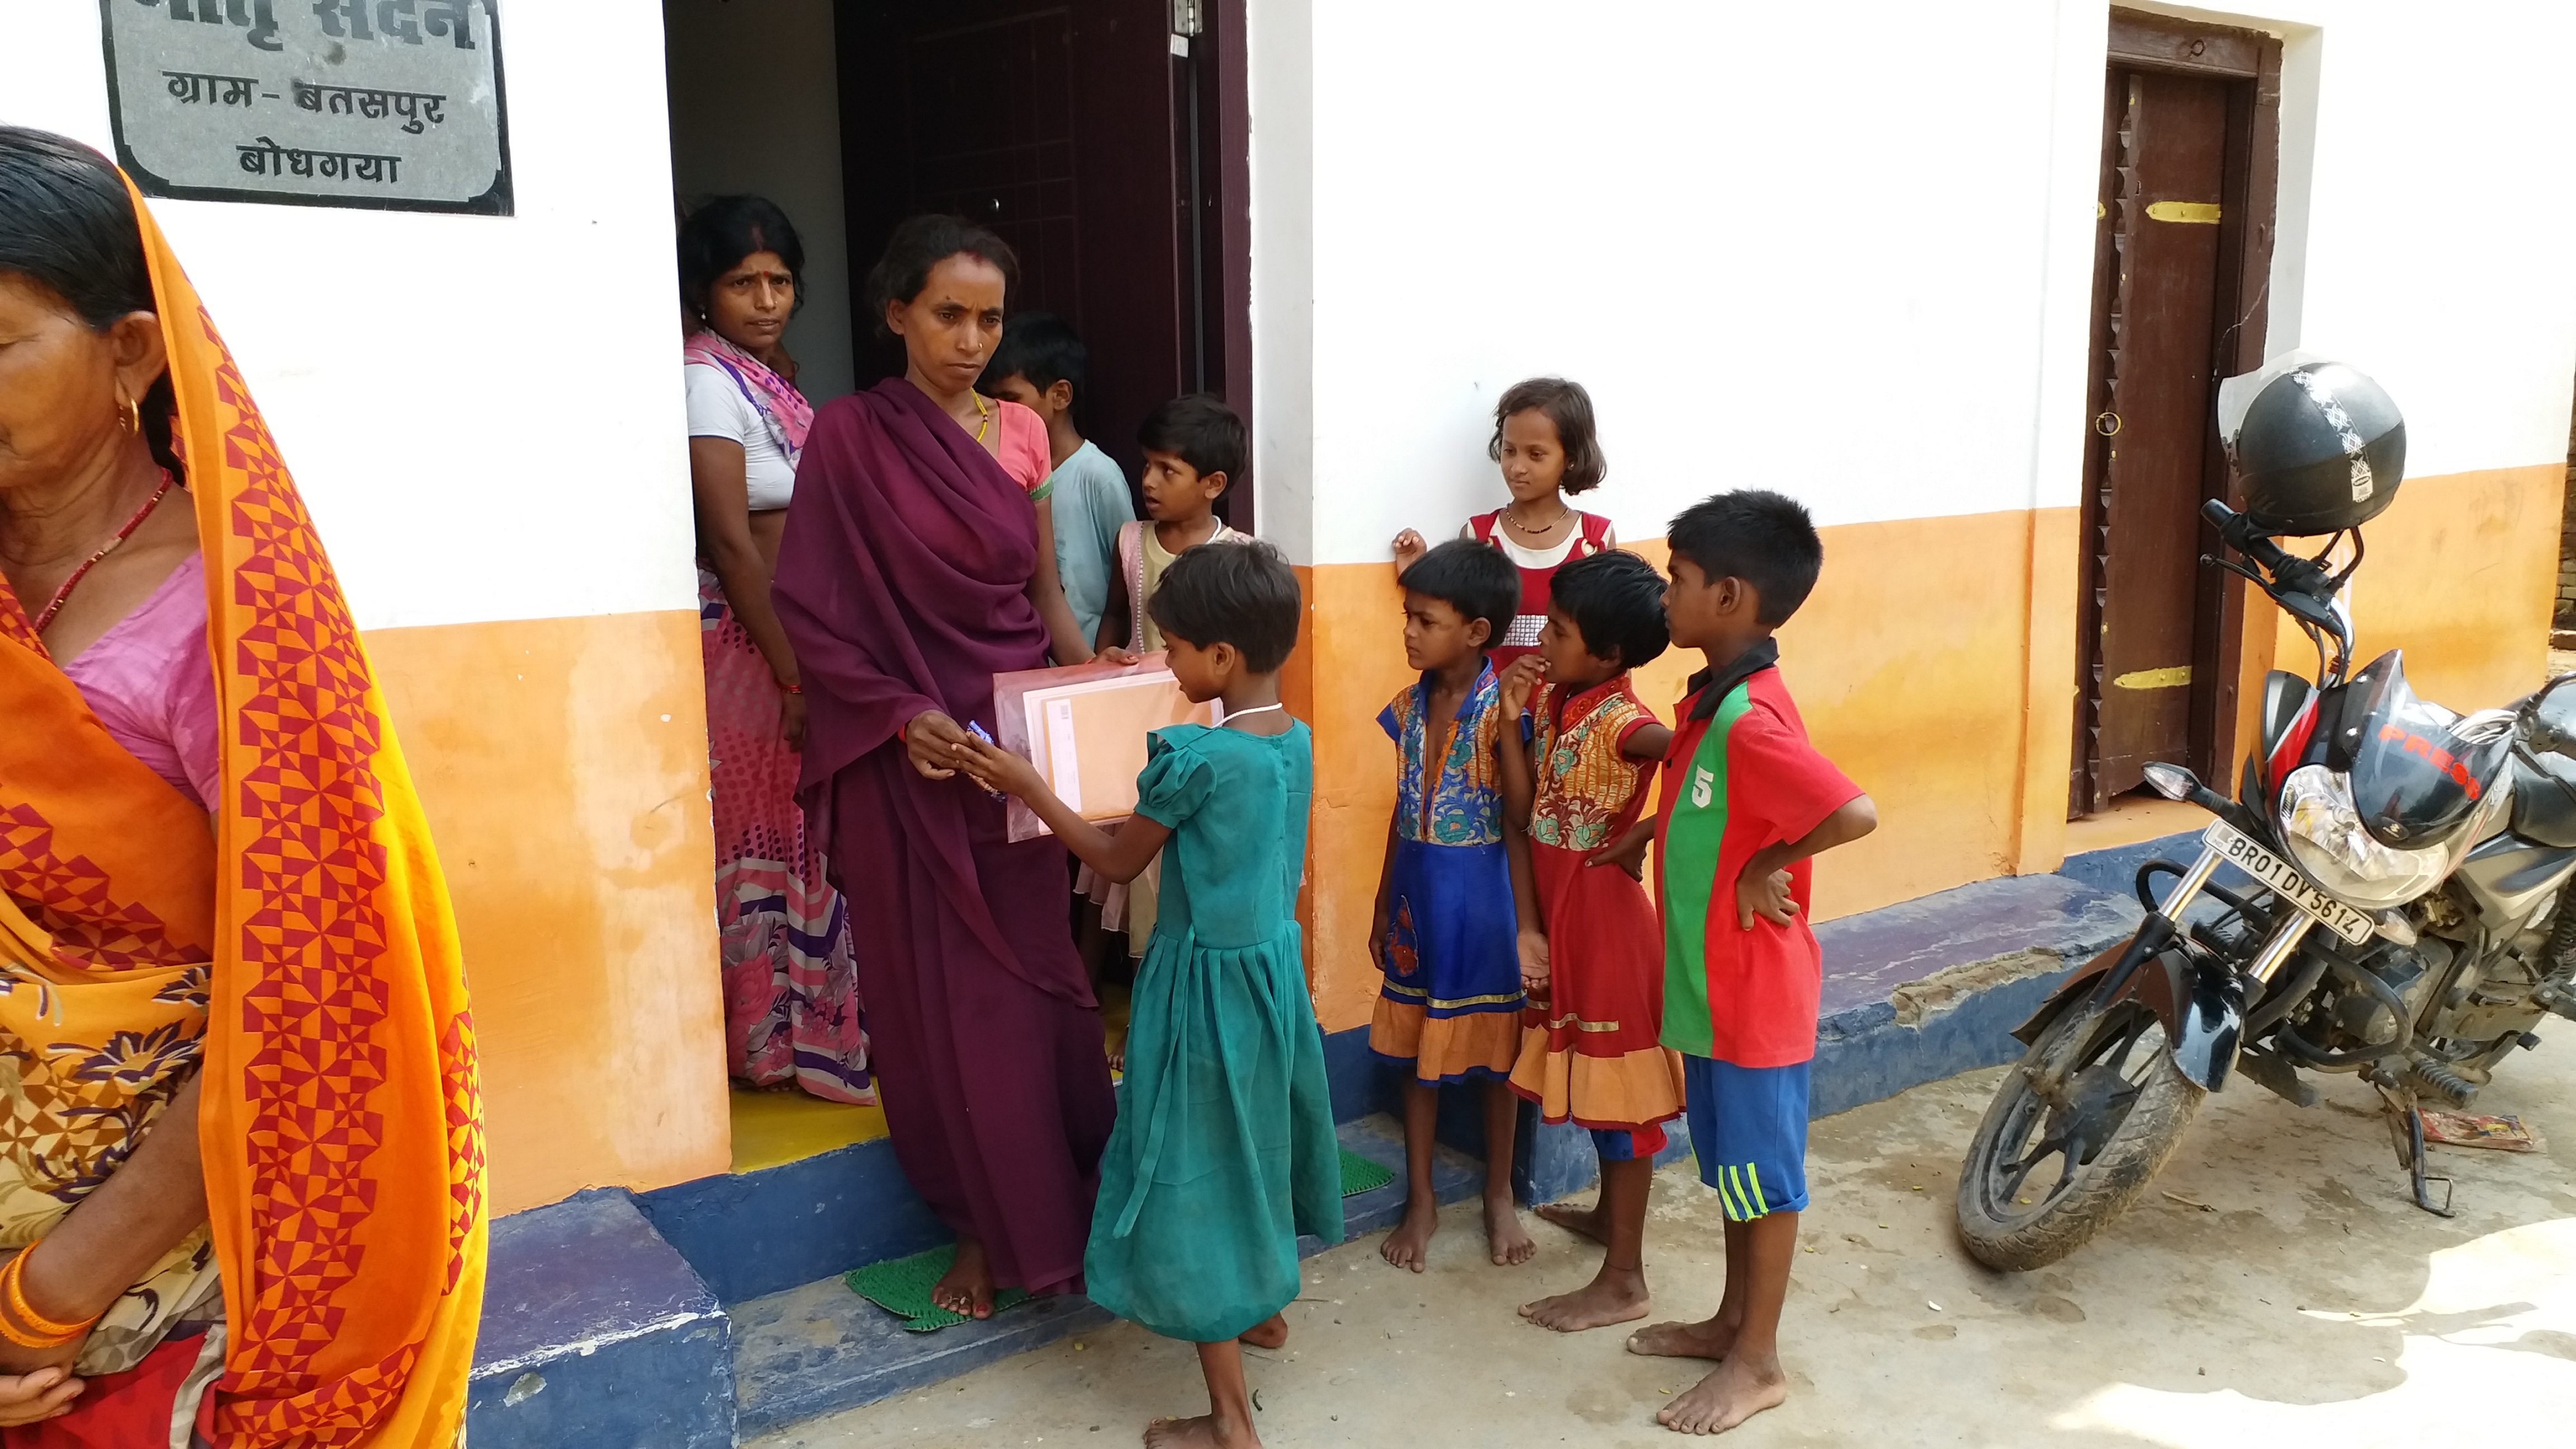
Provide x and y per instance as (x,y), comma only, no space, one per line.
(1591,536)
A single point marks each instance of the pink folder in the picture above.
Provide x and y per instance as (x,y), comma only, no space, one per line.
(1084,727)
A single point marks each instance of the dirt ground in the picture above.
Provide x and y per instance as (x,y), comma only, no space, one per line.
(2274,1286)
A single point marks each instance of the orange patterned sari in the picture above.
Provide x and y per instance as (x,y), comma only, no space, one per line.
(303,949)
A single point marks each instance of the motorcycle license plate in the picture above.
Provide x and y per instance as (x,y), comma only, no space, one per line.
(2267,866)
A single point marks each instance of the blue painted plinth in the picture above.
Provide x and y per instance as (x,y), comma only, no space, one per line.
(597,1336)
(750,1234)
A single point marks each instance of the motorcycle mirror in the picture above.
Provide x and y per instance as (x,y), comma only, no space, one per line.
(2538,730)
(2172,781)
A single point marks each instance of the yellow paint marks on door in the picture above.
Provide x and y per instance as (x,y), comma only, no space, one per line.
(2199,213)
(2171,677)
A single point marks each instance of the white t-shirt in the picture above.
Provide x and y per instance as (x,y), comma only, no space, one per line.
(717,409)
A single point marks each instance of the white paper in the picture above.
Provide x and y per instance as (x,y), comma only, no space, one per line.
(1063,765)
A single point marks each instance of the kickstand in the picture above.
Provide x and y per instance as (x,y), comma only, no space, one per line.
(2410,1150)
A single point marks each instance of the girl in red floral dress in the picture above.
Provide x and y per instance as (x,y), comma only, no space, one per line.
(1592,954)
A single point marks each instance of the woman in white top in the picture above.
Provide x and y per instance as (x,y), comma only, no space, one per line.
(790,986)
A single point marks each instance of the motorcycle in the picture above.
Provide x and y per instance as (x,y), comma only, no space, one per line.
(2402,907)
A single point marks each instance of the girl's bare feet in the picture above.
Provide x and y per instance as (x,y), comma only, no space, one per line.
(1270,1332)
(1616,1295)
(967,1287)
(1733,1392)
(1711,1339)
(1510,1242)
(1409,1246)
(1206,1431)
(1586,1222)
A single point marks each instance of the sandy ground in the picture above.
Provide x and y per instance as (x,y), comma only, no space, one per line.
(2275,1285)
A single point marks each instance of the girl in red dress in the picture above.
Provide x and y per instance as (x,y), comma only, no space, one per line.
(1592,954)
(1548,447)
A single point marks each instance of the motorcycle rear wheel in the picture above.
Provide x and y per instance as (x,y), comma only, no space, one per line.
(2120,1111)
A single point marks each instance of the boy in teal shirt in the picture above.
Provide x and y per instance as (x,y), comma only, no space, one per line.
(1039,365)
(1748,803)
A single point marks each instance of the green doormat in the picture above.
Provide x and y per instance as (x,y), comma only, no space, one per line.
(901,1286)
(1360,1175)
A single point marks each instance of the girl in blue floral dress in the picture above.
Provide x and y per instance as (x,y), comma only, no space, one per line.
(1224,1148)
(1445,935)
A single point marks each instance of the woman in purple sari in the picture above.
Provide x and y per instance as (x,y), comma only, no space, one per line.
(918,562)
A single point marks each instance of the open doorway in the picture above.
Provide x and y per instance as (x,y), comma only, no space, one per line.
(1106,140)
(2183,249)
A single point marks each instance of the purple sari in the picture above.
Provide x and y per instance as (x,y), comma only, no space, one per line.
(902,584)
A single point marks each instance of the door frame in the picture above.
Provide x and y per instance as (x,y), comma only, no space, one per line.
(1222,57)
(2248,211)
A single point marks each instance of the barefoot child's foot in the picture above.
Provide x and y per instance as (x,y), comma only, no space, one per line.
(1510,1242)
(1409,1245)
(1616,1296)
(1711,1339)
(1733,1392)
(1585,1221)
(1270,1332)
(1203,1432)
(967,1287)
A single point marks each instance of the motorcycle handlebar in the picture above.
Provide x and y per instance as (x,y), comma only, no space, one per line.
(2287,569)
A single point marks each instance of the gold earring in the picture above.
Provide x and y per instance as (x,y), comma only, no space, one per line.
(133,416)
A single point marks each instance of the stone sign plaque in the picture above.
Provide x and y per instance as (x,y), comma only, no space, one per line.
(382,104)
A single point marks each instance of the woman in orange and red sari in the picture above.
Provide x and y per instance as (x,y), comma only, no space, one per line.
(241,1197)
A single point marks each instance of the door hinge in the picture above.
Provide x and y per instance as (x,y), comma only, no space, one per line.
(1188,18)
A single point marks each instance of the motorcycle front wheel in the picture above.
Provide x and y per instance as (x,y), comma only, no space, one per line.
(2076,1131)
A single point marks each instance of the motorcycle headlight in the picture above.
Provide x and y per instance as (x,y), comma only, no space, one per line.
(2327,840)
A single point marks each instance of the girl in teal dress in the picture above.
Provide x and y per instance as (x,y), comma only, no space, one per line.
(1224,1148)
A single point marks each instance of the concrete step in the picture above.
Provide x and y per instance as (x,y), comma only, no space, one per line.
(819,1348)
(595,1332)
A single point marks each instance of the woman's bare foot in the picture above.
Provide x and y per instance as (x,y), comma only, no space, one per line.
(1583,1221)
(1617,1295)
(967,1287)
(1733,1392)
(1270,1332)
(1712,1339)
(1204,1432)
(1409,1246)
(1510,1242)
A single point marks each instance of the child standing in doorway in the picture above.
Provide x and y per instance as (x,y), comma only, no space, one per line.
(1747,803)
(1224,1148)
(1450,1004)
(1195,447)
(1548,447)
(1592,957)
(1040,365)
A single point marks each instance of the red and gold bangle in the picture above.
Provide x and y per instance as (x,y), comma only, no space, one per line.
(32,1329)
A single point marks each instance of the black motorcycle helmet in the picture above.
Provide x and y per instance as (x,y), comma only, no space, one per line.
(2322,448)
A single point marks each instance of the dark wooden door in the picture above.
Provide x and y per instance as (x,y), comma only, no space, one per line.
(2143,664)
(1058,125)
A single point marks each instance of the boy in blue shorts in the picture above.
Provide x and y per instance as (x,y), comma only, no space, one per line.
(1747,804)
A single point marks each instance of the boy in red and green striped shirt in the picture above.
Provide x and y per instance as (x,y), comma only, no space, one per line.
(1748,802)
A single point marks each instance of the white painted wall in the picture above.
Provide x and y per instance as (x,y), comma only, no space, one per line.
(1847,253)
(755,106)
(1280,105)
(483,413)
